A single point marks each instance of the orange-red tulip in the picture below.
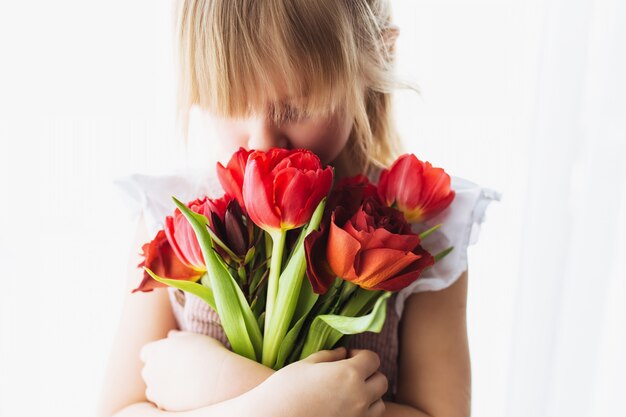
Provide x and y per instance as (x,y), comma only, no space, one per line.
(416,188)
(160,258)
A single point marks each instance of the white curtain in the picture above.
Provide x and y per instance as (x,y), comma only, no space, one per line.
(569,332)
(524,96)
(529,97)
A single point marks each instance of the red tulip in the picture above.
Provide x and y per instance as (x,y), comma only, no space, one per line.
(416,188)
(231,176)
(373,247)
(282,188)
(181,235)
(160,258)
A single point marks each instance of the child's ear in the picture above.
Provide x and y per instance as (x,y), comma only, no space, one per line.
(390,34)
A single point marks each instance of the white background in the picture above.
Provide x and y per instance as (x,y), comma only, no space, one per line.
(524,96)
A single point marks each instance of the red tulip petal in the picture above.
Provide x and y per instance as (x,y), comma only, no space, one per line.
(318,271)
(418,189)
(258,193)
(229,183)
(231,176)
(291,191)
(410,273)
(341,251)
(382,238)
(377,265)
(436,185)
(186,239)
(440,206)
(321,182)
(160,258)
(408,182)
(169,233)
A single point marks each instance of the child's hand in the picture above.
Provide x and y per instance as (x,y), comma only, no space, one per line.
(180,371)
(328,383)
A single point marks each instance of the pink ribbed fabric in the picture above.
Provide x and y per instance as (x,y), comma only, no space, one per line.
(194,315)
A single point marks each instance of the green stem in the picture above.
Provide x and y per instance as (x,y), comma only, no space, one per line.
(443,253)
(278,245)
(426,233)
(328,298)
(287,294)
(347,290)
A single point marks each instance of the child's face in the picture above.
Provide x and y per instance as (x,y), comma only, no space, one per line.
(326,136)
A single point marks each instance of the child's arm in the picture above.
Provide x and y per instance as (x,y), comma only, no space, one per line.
(187,370)
(434,364)
(325,383)
(145,317)
(243,406)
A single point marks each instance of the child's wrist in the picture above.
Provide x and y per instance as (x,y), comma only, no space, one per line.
(240,374)
(259,402)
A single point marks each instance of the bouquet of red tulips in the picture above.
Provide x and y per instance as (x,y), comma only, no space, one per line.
(292,262)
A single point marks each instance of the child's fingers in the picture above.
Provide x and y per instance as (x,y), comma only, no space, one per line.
(377,385)
(366,361)
(327,355)
(376,409)
(352,352)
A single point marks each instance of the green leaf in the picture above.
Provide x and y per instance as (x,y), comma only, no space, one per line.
(326,330)
(373,322)
(288,343)
(237,318)
(249,255)
(359,301)
(306,301)
(199,290)
(318,337)
(261,319)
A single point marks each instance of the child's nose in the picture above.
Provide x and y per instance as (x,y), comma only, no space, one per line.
(264,134)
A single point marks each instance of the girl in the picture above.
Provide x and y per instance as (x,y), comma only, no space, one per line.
(296,74)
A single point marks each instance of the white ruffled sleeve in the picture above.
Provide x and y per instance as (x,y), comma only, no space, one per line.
(461,226)
(151,194)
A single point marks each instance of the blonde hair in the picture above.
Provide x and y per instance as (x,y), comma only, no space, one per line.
(324,53)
